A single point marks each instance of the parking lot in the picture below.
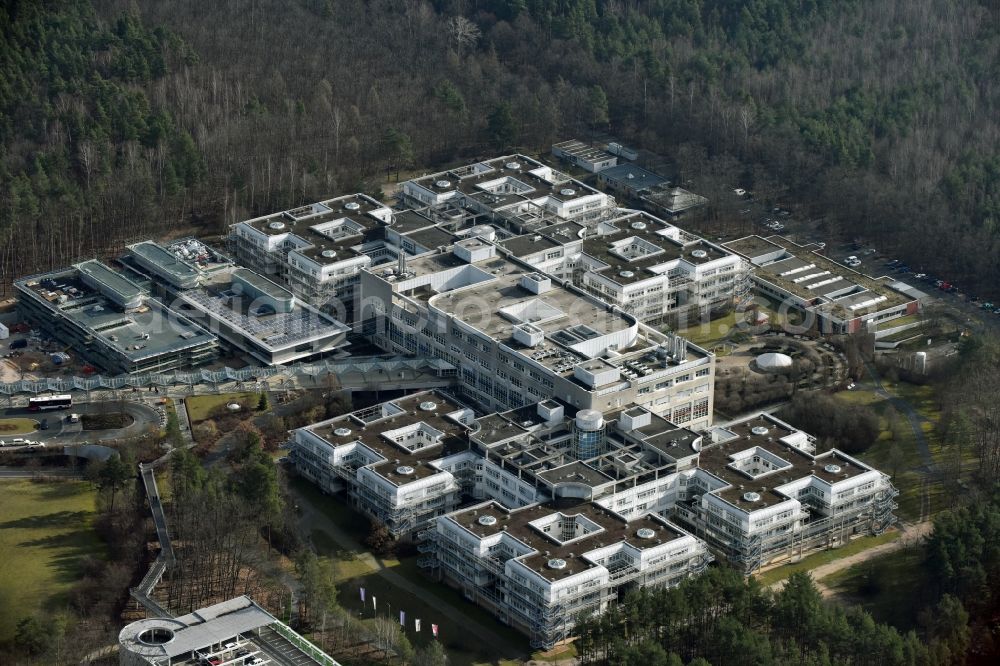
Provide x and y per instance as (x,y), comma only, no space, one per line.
(237,652)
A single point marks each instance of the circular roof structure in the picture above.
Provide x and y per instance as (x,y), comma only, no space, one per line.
(645,533)
(487,520)
(342,432)
(352,205)
(774,362)
(557,563)
(404,470)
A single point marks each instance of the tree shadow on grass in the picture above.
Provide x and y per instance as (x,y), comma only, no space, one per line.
(52,490)
(49,520)
(72,547)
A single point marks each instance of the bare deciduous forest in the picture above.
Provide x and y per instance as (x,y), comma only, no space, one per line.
(120,120)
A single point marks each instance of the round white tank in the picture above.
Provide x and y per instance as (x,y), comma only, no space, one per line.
(589,419)
(484,231)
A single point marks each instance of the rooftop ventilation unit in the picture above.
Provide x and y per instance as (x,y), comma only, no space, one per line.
(567,191)
(487,521)
(276,225)
(352,205)
(342,432)
(512,165)
(404,470)
(428,406)
(645,533)
(759,430)
(442,184)
(832,469)
(329,254)
(638,225)
(699,254)
(626,274)
(751,496)
(557,563)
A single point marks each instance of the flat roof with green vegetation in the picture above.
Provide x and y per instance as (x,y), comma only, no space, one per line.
(46,533)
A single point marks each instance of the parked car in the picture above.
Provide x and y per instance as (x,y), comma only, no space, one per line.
(43,424)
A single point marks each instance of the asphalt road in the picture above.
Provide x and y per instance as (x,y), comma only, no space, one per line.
(62,433)
(22,473)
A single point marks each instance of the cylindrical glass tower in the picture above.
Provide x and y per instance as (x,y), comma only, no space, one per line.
(588,434)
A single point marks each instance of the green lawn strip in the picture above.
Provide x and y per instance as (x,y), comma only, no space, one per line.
(17,426)
(889,587)
(920,397)
(346,518)
(710,333)
(464,647)
(346,564)
(45,533)
(860,396)
(200,407)
(810,562)
(902,321)
(556,654)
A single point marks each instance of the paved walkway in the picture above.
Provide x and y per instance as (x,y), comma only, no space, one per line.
(314,518)
(912,535)
(40,473)
(912,416)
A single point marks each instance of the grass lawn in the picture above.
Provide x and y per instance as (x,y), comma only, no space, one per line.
(353,573)
(17,426)
(889,587)
(902,321)
(200,407)
(464,648)
(556,653)
(45,531)
(810,562)
(710,333)
(859,396)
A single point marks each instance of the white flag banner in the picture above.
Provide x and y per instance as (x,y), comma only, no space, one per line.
(374,603)
(416,624)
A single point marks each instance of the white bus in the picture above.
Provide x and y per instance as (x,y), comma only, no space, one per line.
(50,402)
